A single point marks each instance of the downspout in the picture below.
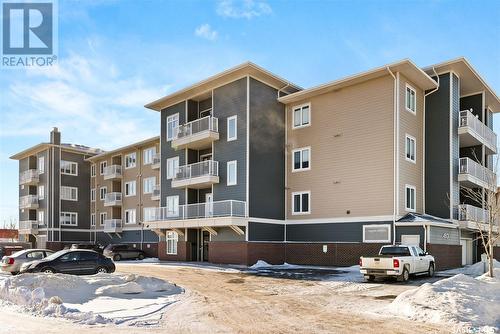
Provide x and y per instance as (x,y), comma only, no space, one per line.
(395,163)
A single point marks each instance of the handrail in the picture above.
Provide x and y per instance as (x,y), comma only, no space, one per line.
(202,168)
(469,166)
(198,125)
(468,119)
(227,208)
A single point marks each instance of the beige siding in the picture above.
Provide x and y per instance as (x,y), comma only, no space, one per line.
(412,124)
(352,161)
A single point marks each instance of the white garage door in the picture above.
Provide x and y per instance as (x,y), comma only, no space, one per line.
(410,239)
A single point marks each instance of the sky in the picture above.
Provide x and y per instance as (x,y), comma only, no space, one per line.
(116,56)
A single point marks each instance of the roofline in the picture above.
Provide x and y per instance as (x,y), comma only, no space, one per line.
(122,148)
(41,146)
(311,91)
(154,105)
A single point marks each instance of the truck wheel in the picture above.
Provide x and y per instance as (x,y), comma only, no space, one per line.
(370,278)
(430,272)
(117,257)
(405,276)
(140,257)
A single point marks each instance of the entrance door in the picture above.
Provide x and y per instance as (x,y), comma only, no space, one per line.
(466,251)
(206,239)
(209,205)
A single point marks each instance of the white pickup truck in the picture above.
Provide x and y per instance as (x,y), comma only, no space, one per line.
(397,261)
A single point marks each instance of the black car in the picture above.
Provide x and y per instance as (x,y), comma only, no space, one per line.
(123,252)
(95,247)
(69,261)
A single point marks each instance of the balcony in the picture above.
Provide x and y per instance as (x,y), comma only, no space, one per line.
(28,202)
(197,134)
(156,161)
(113,226)
(473,175)
(155,195)
(474,218)
(113,172)
(28,227)
(473,132)
(197,176)
(113,199)
(229,208)
(29,177)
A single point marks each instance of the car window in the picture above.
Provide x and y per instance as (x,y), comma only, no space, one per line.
(420,252)
(86,256)
(48,253)
(35,255)
(395,251)
(72,256)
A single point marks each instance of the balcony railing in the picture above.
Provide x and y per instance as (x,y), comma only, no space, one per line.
(155,195)
(28,227)
(113,226)
(156,161)
(113,199)
(29,176)
(475,174)
(196,134)
(229,208)
(197,175)
(28,202)
(467,212)
(112,172)
(482,133)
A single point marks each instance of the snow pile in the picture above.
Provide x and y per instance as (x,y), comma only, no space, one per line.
(464,301)
(260,264)
(84,298)
(476,269)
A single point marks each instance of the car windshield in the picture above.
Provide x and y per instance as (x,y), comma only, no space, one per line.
(55,255)
(397,251)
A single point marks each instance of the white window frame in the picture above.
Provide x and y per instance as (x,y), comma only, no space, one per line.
(295,213)
(229,119)
(41,163)
(92,219)
(41,214)
(171,167)
(229,164)
(407,96)
(134,188)
(147,210)
(70,215)
(173,212)
(301,150)
(131,213)
(92,170)
(101,220)
(102,167)
(388,239)
(301,107)
(41,192)
(131,164)
(171,238)
(65,190)
(92,194)
(171,119)
(146,180)
(409,209)
(64,163)
(412,139)
(105,192)
(147,155)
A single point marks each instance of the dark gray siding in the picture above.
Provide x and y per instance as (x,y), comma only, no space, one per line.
(168,152)
(135,236)
(227,234)
(266,232)
(230,100)
(329,232)
(411,230)
(474,102)
(267,156)
(437,149)
(68,237)
(444,236)
(455,146)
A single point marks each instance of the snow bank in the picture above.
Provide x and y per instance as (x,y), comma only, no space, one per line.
(260,264)
(474,270)
(461,300)
(84,299)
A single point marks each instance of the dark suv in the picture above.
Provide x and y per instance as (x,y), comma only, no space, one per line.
(123,252)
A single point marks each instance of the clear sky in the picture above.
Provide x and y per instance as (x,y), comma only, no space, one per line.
(115,56)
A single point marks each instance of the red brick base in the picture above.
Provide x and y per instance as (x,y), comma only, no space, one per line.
(496,253)
(447,256)
(183,251)
(54,245)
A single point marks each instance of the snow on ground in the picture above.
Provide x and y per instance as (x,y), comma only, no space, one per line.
(471,304)
(476,269)
(96,299)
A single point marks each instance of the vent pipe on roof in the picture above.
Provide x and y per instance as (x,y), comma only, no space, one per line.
(55,136)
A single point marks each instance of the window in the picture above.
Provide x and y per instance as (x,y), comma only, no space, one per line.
(92,170)
(411,154)
(410,198)
(232,177)
(377,233)
(147,155)
(41,165)
(69,218)
(172,239)
(172,167)
(92,195)
(301,202)
(41,217)
(102,167)
(92,219)
(130,160)
(41,192)
(149,214)
(301,116)
(130,216)
(69,168)
(172,124)
(301,159)
(102,217)
(35,255)
(232,130)
(102,193)
(69,193)
(149,184)
(172,206)
(411,99)
(130,188)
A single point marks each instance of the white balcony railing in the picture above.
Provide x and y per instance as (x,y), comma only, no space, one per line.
(114,198)
(28,176)
(156,161)
(155,195)
(113,225)
(28,227)
(112,172)
(229,208)
(467,212)
(469,120)
(28,202)
(198,169)
(485,176)
(207,123)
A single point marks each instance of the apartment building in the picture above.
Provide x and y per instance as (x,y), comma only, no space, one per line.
(54,192)
(124,191)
